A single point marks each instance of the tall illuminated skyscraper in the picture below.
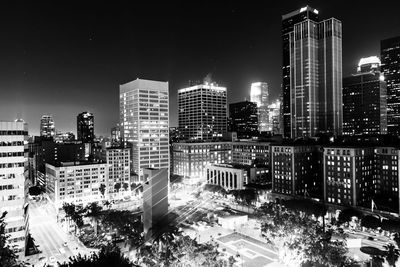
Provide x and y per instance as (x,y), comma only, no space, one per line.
(312,74)
(390,57)
(144,122)
(13,172)
(202,113)
(47,129)
(85,127)
(259,94)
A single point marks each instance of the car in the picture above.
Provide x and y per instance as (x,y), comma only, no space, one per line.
(371,238)
(65,244)
(52,259)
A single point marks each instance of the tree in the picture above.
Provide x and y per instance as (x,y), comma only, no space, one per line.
(391,225)
(117,187)
(370,221)
(347,214)
(102,189)
(397,239)
(93,210)
(35,190)
(125,186)
(108,256)
(7,256)
(391,254)
(377,260)
(74,213)
(107,204)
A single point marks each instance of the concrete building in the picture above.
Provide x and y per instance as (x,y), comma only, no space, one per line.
(274,118)
(202,112)
(144,118)
(64,137)
(244,119)
(390,57)
(116,135)
(364,100)
(259,94)
(312,74)
(13,178)
(85,127)
(155,201)
(47,129)
(296,170)
(191,159)
(75,182)
(348,175)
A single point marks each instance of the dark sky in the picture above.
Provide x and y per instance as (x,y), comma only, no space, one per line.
(64,58)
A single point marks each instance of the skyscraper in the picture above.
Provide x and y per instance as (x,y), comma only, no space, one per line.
(85,127)
(244,119)
(364,100)
(13,163)
(390,57)
(47,129)
(274,117)
(144,121)
(259,94)
(202,113)
(312,74)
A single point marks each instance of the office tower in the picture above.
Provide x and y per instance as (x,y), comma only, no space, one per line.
(274,118)
(47,129)
(390,57)
(348,175)
(251,153)
(364,100)
(296,170)
(259,94)
(191,159)
(144,121)
(155,201)
(76,182)
(202,112)
(116,135)
(85,127)
(13,172)
(244,119)
(312,74)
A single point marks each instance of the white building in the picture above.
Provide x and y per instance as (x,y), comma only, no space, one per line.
(76,182)
(13,174)
(227,176)
(144,119)
(118,161)
(259,94)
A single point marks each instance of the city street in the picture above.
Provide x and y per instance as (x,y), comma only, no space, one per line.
(54,243)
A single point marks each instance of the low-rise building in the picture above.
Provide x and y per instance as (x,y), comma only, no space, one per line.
(75,182)
(228,176)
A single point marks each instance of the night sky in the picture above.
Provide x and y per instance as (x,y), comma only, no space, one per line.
(64,58)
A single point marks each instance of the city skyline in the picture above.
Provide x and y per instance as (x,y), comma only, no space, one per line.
(101,53)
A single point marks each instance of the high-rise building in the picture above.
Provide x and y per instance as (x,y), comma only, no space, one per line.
(364,100)
(144,119)
(202,112)
(259,94)
(155,201)
(390,57)
(64,137)
(274,118)
(244,119)
(47,129)
(85,127)
(13,174)
(116,135)
(312,74)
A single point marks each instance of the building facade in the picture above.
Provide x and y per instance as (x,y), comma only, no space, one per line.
(390,57)
(47,129)
(227,176)
(116,135)
(312,74)
(75,182)
(85,127)
(259,94)
(296,170)
(202,112)
(274,118)
(13,178)
(244,119)
(144,118)
(348,175)
(364,100)
(191,159)
(119,170)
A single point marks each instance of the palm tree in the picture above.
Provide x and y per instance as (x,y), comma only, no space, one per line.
(392,254)
(102,189)
(94,211)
